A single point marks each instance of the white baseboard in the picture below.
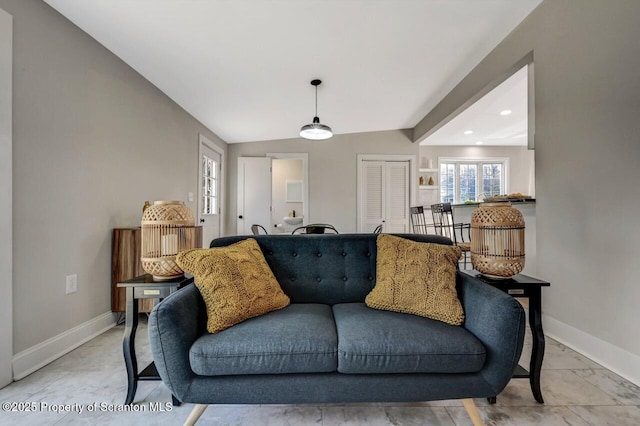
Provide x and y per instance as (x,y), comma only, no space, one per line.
(36,357)
(614,358)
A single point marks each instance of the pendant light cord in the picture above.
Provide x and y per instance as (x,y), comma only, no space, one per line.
(316,100)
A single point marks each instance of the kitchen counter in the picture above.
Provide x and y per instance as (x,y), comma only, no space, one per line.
(516,201)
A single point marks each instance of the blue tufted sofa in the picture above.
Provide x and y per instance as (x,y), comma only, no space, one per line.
(328,346)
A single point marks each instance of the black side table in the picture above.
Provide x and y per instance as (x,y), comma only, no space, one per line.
(143,287)
(531,288)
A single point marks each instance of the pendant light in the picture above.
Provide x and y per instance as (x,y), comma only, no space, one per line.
(316,130)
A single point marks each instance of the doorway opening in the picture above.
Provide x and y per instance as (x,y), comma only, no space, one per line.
(255,203)
(289,191)
(485,151)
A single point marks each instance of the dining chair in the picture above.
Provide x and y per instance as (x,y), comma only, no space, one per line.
(258,229)
(445,225)
(315,228)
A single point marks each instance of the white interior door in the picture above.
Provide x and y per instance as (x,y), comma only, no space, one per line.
(209,194)
(254,193)
(385,194)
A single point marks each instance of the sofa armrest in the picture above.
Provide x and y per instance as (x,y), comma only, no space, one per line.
(498,321)
(174,324)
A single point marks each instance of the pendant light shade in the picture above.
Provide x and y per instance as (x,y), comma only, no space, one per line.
(316,130)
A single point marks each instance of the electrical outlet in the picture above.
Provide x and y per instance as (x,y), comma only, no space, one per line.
(72,284)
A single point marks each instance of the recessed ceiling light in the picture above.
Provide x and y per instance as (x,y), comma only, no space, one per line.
(468,132)
(506,112)
(479,143)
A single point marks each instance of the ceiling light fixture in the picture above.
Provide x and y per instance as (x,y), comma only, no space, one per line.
(316,130)
(468,132)
(479,143)
(506,112)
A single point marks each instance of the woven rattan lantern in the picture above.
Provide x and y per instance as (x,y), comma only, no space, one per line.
(167,229)
(497,240)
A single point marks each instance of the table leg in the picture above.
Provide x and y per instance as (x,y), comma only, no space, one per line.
(129,345)
(537,352)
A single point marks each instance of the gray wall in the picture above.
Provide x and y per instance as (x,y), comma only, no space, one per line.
(92,141)
(332,171)
(587,110)
(6,338)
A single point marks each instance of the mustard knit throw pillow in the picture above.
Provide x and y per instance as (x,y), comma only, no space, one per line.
(416,278)
(235,281)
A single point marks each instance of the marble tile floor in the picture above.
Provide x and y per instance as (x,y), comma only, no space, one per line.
(92,379)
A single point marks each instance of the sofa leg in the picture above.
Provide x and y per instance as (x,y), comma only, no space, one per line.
(472,411)
(195,414)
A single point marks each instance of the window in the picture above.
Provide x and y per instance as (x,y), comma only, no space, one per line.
(209,186)
(463,179)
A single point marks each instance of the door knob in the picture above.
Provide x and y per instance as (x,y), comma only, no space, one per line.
(201,220)
(240,217)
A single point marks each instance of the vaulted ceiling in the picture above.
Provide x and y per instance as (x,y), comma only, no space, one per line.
(243,67)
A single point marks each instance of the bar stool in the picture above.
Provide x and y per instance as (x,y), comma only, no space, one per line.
(418,220)
(445,225)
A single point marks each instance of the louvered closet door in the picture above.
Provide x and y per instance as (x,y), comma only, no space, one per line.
(373,187)
(385,189)
(397,197)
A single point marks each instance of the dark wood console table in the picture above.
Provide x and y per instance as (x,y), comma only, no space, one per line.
(143,287)
(531,288)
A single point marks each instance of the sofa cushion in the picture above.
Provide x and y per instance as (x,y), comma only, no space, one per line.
(326,268)
(300,338)
(417,278)
(235,281)
(375,341)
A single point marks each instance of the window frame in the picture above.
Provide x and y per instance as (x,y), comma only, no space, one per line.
(479,162)
(209,181)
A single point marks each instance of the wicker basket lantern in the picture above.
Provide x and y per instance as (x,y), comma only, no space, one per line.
(497,240)
(167,229)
